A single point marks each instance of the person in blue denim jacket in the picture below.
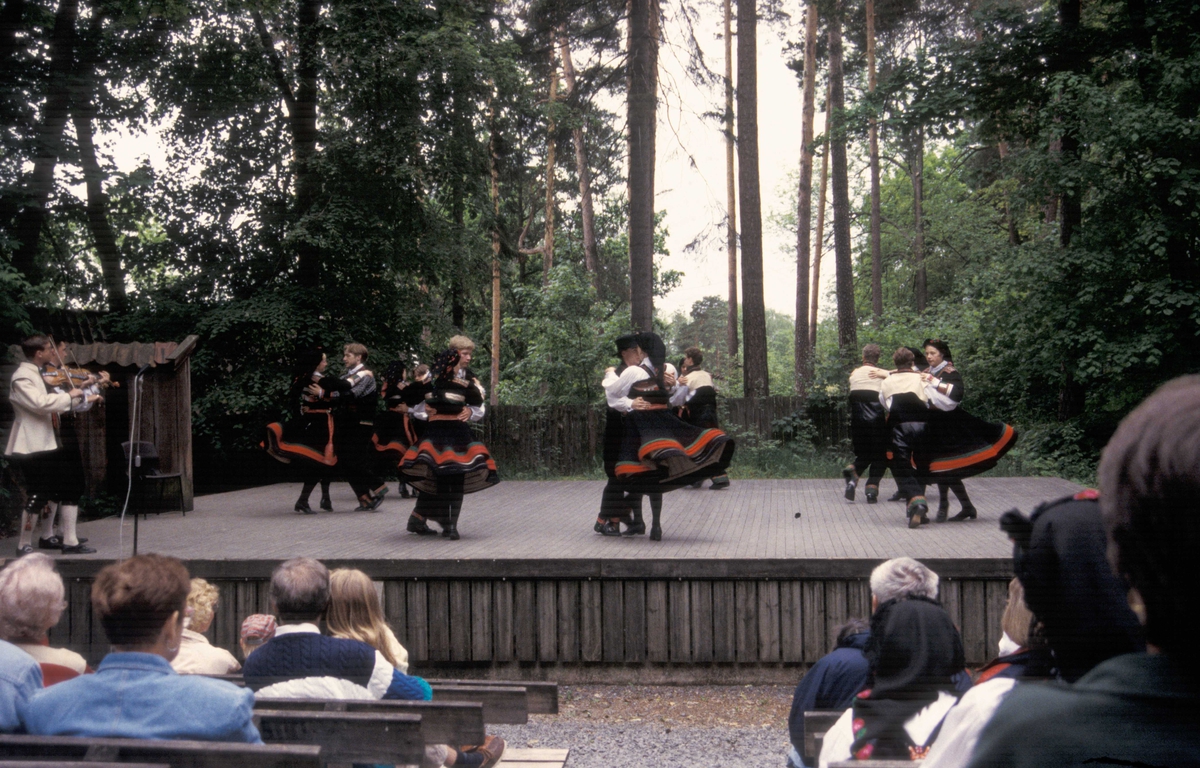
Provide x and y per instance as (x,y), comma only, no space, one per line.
(135,693)
(20,678)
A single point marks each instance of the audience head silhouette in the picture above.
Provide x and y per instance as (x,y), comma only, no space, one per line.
(902,577)
(300,590)
(140,602)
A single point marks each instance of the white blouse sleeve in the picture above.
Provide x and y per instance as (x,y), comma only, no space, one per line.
(937,399)
(617,393)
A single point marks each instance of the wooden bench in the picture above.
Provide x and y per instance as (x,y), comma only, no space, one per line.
(816,723)
(876,764)
(542,696)
(347,737)
(177,754)
(537,758)
(442,722)
(502,704)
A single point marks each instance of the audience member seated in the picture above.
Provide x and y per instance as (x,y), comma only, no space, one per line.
(354,612)
(31,603)
(1136,708)
(257,629)
(831,683)
(135,693)
(1077,603)
(914,652)
(197,656)
(20,678)
(1023,652)
(299,662)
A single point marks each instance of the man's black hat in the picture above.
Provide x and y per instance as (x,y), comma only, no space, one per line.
(628,341)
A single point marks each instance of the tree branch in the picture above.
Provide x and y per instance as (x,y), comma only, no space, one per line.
(268,44)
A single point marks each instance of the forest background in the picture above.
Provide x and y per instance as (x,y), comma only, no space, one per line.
(1019,178)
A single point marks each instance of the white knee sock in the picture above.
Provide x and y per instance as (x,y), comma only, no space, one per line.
(48,520)
(70,513)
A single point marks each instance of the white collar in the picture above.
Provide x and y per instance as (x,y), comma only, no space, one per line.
(287,629)
(355,369)
(939,366)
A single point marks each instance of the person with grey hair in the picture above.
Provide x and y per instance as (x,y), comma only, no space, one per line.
(31,603)
(300,662)
(902,577)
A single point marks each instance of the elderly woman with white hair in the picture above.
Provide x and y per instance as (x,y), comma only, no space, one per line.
(196,655)
(902,577)
(31,603)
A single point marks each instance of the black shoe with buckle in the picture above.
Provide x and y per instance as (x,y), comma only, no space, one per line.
(943,510)
(25,550)
(607,528)
(851,482)
(54,542)
(635,529)
(78,549)
(872,494)
(918,512)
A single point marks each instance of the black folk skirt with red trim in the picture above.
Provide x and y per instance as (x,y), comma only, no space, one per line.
(661,452)
(448,449)
(957,445)
(394,433)
(307,440)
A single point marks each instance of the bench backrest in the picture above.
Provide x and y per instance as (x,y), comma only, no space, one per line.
(542,696)
(442,722)
(178,754)
(347,737)
(502,705)
(816,723)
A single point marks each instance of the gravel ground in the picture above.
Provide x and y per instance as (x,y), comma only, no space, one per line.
(615,726)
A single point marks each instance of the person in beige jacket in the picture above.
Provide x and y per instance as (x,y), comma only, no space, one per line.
(33,448)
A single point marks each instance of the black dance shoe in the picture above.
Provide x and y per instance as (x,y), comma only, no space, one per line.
(326,504)
(54,542)
(967,513)
(943,510)
(851,482)
(635,529)
(656,533)
(450,532)
(78,549)
(404,491)
(897,496)
(719,483)
(872,495)
(918,513)
(303,508)
(25,550)
(416,525)
(608,528)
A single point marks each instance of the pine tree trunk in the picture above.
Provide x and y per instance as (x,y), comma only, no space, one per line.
(551,151)
(731,238)
(876,237)
(642,108)
(493,391)
(586,210)
(754,321)
(303,123)
(49,141)
(819,245)
(843,264)
(918,184)
(803,349)
(83,111)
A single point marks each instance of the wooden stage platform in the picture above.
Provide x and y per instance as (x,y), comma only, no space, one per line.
(739,589)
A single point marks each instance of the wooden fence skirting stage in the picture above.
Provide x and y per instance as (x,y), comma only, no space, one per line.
(567,439)
(600,621)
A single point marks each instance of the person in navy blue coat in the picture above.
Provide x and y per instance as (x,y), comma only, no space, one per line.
(831,683)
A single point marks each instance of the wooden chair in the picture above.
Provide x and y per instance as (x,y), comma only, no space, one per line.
(347,737)
(177,754)
(441,722)
(816,723)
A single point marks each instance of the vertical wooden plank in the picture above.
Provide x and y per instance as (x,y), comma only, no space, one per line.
(460,619)
(746,619)
(568,620)
(395,610)
(768,621)
(547,620)
(791,630)
(80,633)
(223,632)
(635,621)
(974,627)
(657,622)
(613,611)
(247,604)
(997,599)
(858,600)
(836,611)
(417,593)
(502,601)
(481,621)
(702,621)
(439,619)
(591,621)
(950,594)
(525,620)
(724,621)
(679,620)
(812,615)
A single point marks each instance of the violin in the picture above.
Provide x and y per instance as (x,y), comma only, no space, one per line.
(77,377)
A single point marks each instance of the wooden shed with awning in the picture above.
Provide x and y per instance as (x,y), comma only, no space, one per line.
(163,414)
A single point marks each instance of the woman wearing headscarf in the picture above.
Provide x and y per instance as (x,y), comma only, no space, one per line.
(914,653)
(393,428)
(659,451)
(1080,610)
(306,439)
(449,461)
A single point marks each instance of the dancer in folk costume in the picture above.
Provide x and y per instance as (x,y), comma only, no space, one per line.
(868,426)
(616,501)
(355,396)
(699,401)
(659,451)
(957,444)
(905,398)
(394,431)
(448,461)
(306,440)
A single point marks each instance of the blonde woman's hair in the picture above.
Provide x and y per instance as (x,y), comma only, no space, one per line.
(1017,618)
(460,342)
(202,599)
(354,611)
(31,598)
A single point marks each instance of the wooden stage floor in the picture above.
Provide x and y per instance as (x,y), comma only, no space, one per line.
(538,522)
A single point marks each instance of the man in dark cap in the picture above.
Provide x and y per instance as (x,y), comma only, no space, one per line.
(616,505)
